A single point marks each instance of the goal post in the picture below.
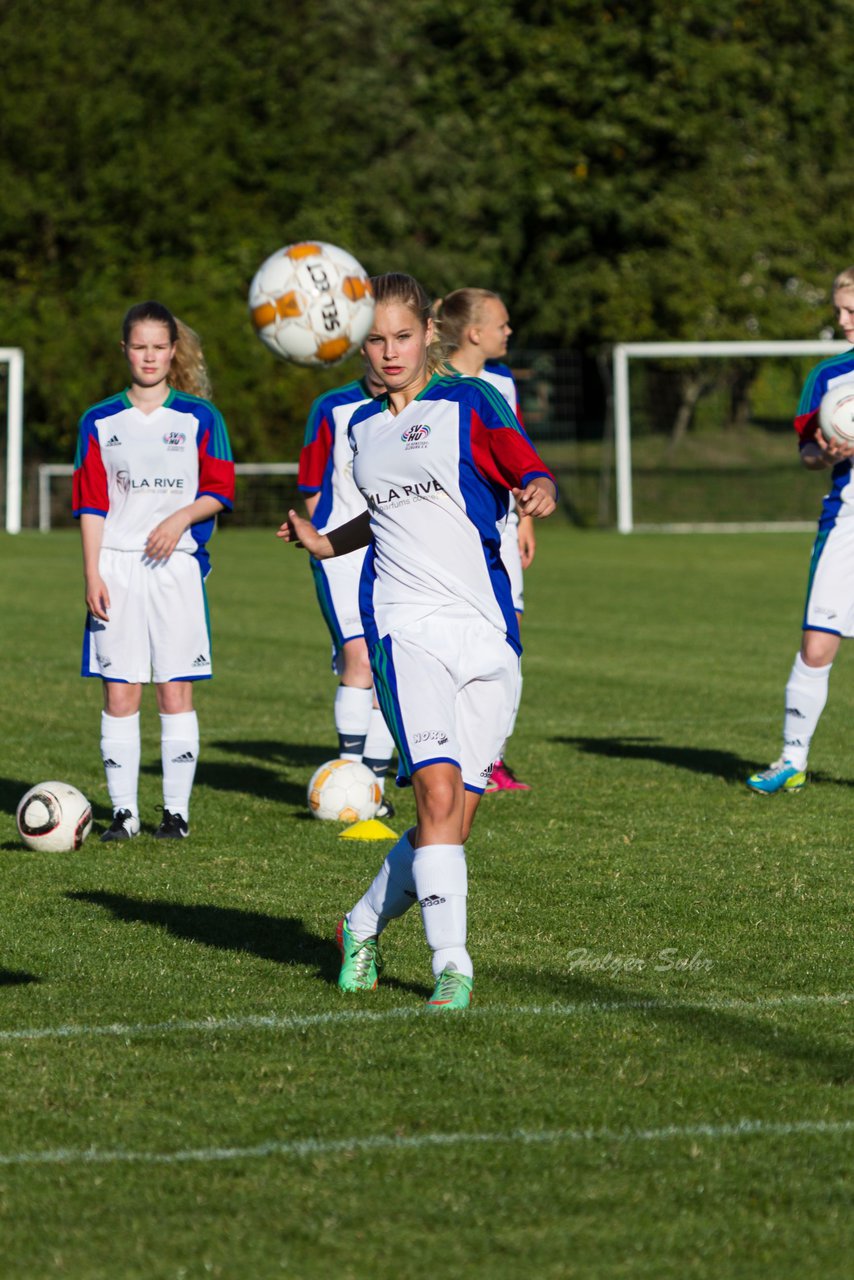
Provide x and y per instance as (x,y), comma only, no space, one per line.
(625,352)
(14,358)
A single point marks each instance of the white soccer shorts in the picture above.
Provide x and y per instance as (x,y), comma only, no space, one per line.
(830,593)
(336,582)
(158,625)
(512,560)
(447,688)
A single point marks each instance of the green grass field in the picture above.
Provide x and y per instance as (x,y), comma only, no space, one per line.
(655,1080)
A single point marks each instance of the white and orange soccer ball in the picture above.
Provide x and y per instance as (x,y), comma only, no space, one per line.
(55,817)
(344,791)
(311,303)
(836,414)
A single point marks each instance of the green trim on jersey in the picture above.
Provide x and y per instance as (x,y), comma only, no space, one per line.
(492,394)
(220,445)
(805,404)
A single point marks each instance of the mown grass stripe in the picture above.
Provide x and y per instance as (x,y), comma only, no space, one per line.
(313,1147)
(302,1022)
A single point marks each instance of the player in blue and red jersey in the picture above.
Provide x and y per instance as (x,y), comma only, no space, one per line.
(153,468)
(475,329)
(331,498)
(436,460)
(829,611)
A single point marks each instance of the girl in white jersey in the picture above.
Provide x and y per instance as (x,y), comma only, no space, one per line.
(475,328)
(435,461)
(153,468)
(829,611)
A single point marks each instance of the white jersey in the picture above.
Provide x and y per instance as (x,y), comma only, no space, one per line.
(326,459)
(436,478)
(136,468)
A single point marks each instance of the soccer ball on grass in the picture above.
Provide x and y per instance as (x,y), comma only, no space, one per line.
(344,791)
(311,303)
(836,414)
(54,816)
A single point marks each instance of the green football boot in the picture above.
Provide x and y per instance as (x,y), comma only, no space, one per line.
(453,991)
(360,961)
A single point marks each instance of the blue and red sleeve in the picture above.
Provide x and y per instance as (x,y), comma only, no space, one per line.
(500,446)
(90,495)
(216,465)
(315,452)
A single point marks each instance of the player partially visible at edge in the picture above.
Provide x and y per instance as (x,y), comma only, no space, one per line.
(829,611)
(153,468)
(475,329)
(435,460)
(331,498)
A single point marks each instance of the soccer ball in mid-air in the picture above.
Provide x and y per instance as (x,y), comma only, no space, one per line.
(836,414)
(54,816)
(311,303)
(344,791)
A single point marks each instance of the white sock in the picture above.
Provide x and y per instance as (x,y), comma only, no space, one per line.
(352,711)
(441,882)
(806,695)
(391,894)
(179,752)
(120,752)
(379,746)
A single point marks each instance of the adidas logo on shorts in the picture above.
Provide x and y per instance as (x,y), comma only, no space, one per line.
(186,758)
(201,661)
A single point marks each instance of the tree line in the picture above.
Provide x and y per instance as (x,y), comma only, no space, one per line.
(617,172)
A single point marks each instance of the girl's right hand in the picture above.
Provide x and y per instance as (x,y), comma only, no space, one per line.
(98,599)
(302,532)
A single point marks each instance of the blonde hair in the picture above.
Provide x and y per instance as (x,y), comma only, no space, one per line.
(457,312)
(188,371)
(845,279)
(395,287)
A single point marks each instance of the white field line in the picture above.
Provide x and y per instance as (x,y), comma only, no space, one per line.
(313,1147)
(303,1022)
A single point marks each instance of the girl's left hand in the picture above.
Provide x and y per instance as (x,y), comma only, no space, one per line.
(537,498)
(164,538)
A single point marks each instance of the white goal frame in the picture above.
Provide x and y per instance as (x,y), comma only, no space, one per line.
(14,357)
(49,469)
(626,351)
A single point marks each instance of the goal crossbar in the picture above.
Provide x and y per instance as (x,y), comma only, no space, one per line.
(626,351)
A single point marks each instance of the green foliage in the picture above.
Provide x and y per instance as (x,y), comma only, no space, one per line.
(668,170)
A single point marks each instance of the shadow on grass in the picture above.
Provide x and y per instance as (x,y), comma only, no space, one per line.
(298,755)
(16,978)
(11,792)
(740,1030)
(281,939)
(245,779)
(718,764)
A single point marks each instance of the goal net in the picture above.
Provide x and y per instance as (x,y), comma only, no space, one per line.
(703,435)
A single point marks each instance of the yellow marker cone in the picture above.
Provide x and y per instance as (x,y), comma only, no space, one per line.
(371,829)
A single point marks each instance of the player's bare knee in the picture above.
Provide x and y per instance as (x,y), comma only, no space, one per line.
(438,799)
(819,648)
(121,699)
